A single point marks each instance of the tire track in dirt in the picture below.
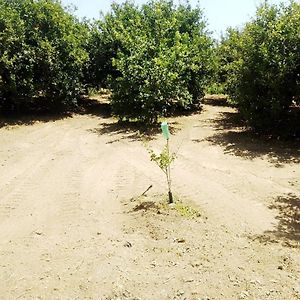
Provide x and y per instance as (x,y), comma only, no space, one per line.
(70,234)
(208,188)
(218,183)
(56,177)
(28,183)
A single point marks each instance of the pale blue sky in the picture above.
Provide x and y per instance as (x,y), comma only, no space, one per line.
(220,14)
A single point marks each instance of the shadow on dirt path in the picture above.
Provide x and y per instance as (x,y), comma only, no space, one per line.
(288,227)
(85,106)
(131,131)
(237,140)
(94,107)
(27,120)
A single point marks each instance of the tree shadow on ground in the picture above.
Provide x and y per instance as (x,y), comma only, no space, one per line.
(85,106)
(30,119)
(216,100)
(178,111)
(288,227)
(238,140)
(131,131)
(94,107)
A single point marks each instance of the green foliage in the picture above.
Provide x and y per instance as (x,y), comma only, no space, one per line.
(261,64)
(164,159)
(101,50)
(186,210)
(41,54)
(227,54)
(157,56)
(179,208)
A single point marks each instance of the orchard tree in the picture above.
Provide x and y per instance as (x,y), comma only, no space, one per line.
(227,54)
(156,57)
(263,80)
(41,54)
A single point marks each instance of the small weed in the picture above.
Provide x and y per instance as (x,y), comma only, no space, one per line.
(186,210)
(159,204)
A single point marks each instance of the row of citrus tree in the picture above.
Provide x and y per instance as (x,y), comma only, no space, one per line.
(42,55)
(155,58)
(259,68)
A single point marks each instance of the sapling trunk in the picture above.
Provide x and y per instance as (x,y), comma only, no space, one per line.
(164,159)
(170,197)
(168,173)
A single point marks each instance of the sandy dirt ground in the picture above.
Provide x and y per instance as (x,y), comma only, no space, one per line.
(73,224)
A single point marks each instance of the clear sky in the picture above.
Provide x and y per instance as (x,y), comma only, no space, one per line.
(220,14)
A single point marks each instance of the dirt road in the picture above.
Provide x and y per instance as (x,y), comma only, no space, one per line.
(71,227)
